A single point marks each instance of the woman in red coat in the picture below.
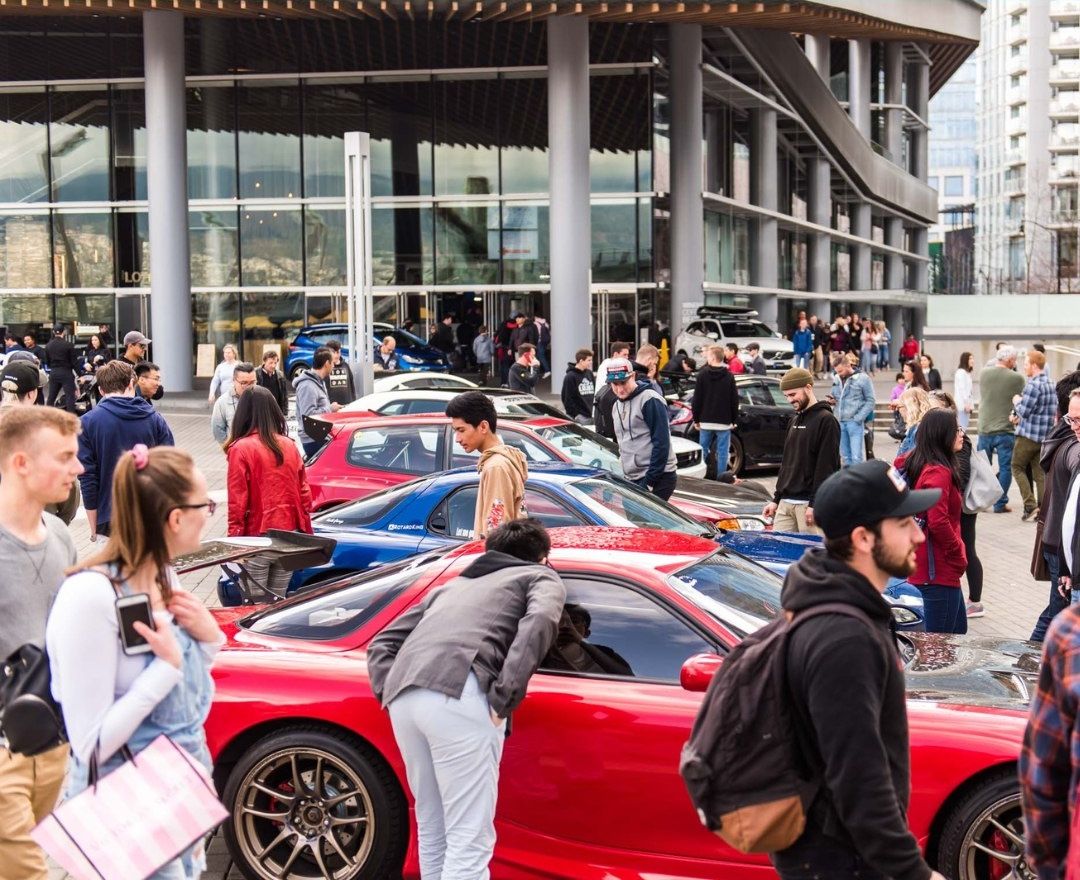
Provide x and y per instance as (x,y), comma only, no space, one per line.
(940,560)
(268,487)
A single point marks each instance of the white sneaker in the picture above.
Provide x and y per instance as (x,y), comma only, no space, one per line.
(975,609)
(545,376)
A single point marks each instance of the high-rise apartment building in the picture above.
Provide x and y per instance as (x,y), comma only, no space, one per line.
(1028,76)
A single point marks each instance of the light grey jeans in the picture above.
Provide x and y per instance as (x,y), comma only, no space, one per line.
(451,750)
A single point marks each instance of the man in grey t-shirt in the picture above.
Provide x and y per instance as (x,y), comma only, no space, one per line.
(38,465)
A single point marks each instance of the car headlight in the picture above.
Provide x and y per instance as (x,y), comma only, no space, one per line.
(410,359)
(751,524)
(904,616)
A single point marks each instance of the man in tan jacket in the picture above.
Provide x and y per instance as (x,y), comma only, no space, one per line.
(503,470)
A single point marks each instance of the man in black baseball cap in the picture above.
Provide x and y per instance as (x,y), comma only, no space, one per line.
(846,680)
(21,382)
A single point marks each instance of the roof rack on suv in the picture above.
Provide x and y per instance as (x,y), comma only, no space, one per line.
(725,312)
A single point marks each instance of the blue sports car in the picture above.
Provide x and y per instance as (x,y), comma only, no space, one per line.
(438,510)
(412,352)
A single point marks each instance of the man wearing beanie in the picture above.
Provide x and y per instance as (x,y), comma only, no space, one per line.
(811,455)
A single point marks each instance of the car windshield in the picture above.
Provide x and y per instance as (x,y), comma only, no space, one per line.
(736,329)
(344,604)
(743,596)
(634,507)
(527,407)
(367,510)
(584,447)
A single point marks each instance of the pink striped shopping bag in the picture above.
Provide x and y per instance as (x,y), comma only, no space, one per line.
(137,818)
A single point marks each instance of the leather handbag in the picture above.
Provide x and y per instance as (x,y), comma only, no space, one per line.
(30,718)
(1040,571)
(898,428)
(983,489)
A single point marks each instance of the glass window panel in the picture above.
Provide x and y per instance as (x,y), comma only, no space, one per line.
(211,141)
(268,45)
(658,176)
(326,309)
(132,313)
(523,103)
(329,112)
(216,319)
(24,146)
(524,245)
(209,45)
(645,240)
(79,145)
(133,249)
(78,47)
(269,140)
(399,120)
(270,320)
(402,247)
(26,314)
(126,42)
(93,309)
(271,247)
(129,143)
(619,126)
(324,236)
(463,251)
(213,237)
(24,250)
(83,246)
(466,125)
(614,241)
(24,55)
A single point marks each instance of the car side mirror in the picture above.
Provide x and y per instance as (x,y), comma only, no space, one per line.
(697,672)
(713,335)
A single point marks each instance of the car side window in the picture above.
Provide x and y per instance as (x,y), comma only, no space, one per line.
(696,329)
(533,451)
(610,629)
(408,449)
(321,337)
(454,517)
(777,396)
(425,406)
(755,394)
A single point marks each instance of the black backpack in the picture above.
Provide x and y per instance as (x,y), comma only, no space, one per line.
(29,716)
(742,763)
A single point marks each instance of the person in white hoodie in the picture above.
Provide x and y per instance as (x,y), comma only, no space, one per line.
(963,389)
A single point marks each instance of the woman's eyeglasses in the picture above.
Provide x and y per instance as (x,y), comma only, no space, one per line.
(211,507)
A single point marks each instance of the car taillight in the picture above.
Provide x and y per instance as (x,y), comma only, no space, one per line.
(728,525)
(294,347)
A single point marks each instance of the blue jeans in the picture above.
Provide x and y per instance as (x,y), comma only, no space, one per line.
(945,611)
(802,360)
(852,443)
(1056,603)
(882,355)
(1003,445)
(709,438)
(868,361)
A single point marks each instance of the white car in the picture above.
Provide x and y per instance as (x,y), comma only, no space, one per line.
(420,380)
(688,458)
(716,325)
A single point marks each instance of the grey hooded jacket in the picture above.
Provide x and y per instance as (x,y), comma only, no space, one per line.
(311,400)
(644,435)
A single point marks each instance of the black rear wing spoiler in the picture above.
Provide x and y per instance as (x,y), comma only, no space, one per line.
(291,550)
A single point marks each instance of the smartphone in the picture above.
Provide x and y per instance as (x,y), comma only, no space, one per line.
(130,609)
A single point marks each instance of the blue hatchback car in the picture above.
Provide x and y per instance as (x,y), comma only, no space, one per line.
(413,353)
(437,511)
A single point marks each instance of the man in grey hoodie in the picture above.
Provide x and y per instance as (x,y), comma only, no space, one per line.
(450,671)
(311,396)
(642,430)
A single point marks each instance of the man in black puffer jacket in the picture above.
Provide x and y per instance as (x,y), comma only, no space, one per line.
(715,406)
(846,680)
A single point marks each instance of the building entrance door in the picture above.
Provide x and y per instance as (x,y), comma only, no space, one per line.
(614,319)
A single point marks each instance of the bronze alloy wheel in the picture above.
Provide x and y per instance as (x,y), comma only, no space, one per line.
(303,813)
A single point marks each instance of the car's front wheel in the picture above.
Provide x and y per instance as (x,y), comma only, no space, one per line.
(308,804)
(983,834)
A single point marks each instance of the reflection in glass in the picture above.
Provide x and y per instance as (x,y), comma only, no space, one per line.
(133,248)
(23,314)
(324,238)
(24,250)
(24,146)
(329,112)
(524,245)
(326,309)
(401,245)
(614,240)
(269,141)
(645,239)
(463,252)
(79,145)
(86,308)
(271,247)
(270,320)
(212,237)
(466,137)
(129,143)
(211,141)
(619,128)
(216,320)
(83,254)
(524,134)
(399,120)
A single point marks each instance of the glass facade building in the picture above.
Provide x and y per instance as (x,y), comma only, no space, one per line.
(461,206)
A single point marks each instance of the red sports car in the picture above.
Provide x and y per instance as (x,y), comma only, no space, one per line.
(307,765)
(367,453)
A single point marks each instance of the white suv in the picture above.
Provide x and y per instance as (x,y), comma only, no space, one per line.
(716,325)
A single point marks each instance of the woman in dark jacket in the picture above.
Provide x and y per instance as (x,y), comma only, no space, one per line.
(933,377)
(940,561)
(95,354)
(268,487)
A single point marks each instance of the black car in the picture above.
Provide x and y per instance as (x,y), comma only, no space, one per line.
(764,417)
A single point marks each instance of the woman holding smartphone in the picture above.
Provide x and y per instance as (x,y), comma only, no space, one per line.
(119,681)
